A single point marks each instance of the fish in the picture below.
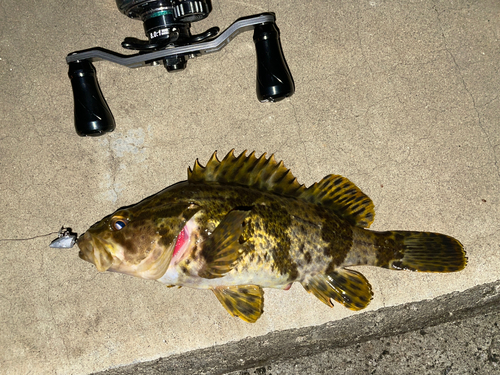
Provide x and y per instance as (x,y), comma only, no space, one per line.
(244,223)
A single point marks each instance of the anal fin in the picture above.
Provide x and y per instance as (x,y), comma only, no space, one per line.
(221,249)
(243,301)
(347,287)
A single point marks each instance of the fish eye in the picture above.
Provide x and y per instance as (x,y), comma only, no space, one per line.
(118,223)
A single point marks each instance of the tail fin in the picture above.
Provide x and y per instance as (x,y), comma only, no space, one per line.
(419,251)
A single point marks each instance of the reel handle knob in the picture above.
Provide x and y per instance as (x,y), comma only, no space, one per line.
(92,114)
(274,80)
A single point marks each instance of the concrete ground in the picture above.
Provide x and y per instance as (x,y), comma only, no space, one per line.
(457,333)
(400,97)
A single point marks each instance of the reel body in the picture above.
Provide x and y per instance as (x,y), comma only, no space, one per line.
(169,42)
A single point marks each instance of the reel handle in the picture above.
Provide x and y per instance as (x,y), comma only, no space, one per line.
(92,114)
(274,80)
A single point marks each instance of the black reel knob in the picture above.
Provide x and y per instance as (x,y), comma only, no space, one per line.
(92,114)
(274,80)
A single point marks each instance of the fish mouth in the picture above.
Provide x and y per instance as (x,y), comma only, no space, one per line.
(86,248)
(97,255)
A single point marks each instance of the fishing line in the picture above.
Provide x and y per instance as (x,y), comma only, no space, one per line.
(29,238)
(65,238)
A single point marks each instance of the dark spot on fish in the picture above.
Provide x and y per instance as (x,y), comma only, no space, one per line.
(322,194)
(348,200)
(341,280)
(308,257)
(356,280)
(166,240)
(249,298)
(339,238)
(243,307)
(359,212)
(229,304)
(355,287)
(388,249)
(293,272)
(328,201)
(322,184)
(301,248)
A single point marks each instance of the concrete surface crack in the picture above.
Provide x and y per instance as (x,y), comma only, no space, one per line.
(476,110)
(363,52)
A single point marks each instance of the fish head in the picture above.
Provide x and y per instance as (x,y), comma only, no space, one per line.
(137,241)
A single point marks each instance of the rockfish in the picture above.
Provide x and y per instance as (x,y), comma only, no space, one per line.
(245,223)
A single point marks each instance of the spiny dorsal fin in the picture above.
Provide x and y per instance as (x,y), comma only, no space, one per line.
(333,192)
(258,173)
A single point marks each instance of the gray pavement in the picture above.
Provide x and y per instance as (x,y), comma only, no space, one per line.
(401,97)
(470,346)
(457,333)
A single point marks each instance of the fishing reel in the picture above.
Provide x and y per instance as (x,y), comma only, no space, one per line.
(167,26)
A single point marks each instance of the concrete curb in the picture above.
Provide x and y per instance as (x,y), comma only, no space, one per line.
(292,344)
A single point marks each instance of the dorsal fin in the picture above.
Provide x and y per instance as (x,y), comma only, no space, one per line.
(345,198)
(333,192)
(258,173)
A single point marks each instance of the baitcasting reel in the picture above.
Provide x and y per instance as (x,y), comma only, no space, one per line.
(167,25)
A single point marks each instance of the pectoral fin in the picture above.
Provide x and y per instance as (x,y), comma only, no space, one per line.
(221,249)
(347,287)
(244,301)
